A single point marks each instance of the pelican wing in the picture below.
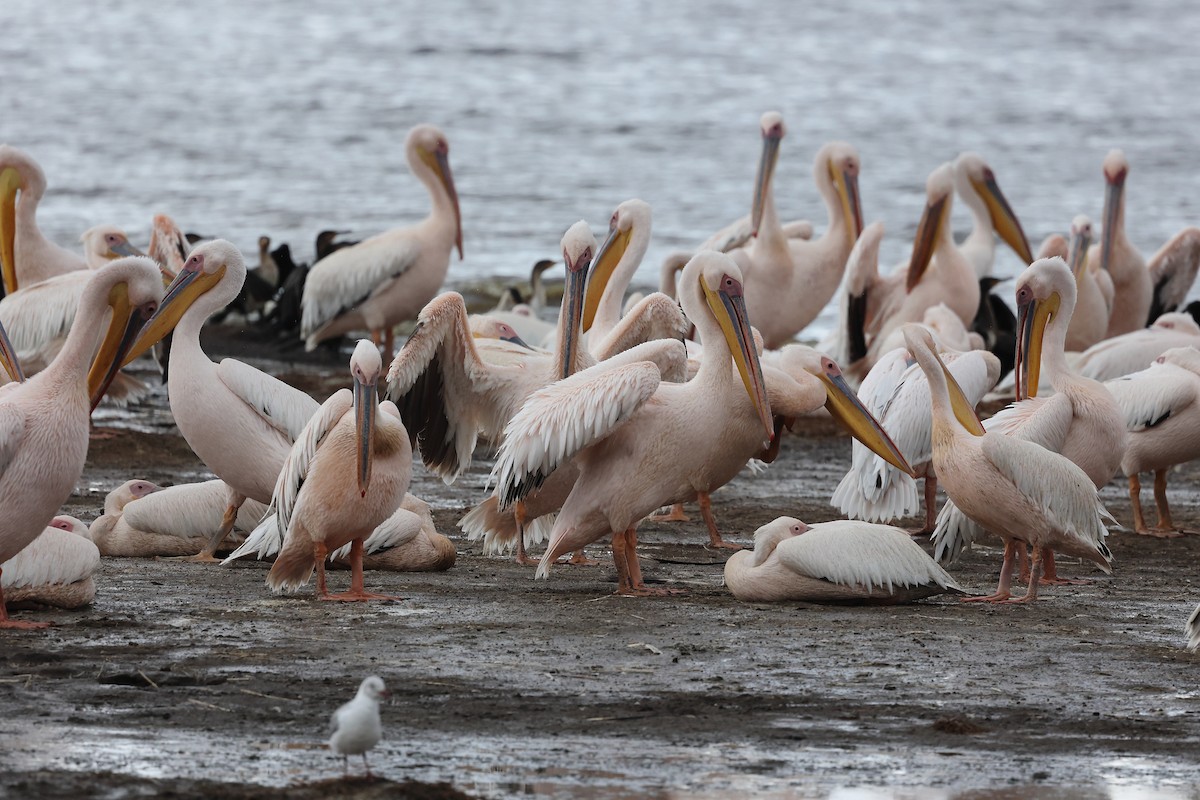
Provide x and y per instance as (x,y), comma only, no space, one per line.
(1193,629)
(669,355)
(54,557)
(1059,489)
(1133,351)
(860,554)
(12,433)
(38,315)
(188,510)
(1045,421)
(860,297)
(954,534)
(447,393)
(655,316)
(397,530)
(1173,271)
(283,407)
(565,417)
(1148,398)
(345,278)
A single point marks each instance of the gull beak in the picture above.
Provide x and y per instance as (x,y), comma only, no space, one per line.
(1032,318)
(1003,219)
(122,330)
(10,183)
(569,324)
(728,306)
(8,358)
(923,245)
(845,183)
(607,258)
(843,404)
(1112,206)
(366,404)
(766,169)
(187,287)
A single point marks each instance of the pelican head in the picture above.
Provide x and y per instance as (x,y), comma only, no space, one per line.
(629,217)
(768,537)
(1116,167)
(837,166)
(578,246)
(773,131)
(365,366)
(134,293)
(842,403)
(103,243)
(428,145)
(18,174)
(712,286)
(485,327)
(974,176)
(1081,238)
(204,269)
(1045,290)
(920,342)
(168,246)
(935,221)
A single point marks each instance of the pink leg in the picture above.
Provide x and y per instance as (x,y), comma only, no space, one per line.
(519,514)
(676,514)
(1002,589)
(1034,575)
(1166,527)
(16,624)
(638,587)
(1050,575)
(357,592)
(621,561)
(714,535)
(930,507)
(580,559)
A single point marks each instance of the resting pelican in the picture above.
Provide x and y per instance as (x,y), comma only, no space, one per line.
(789,281)
(1018,489)
(525,317)
(240,422)
(840,561)
(1093,289)
(44,421)
(141,520)
(937,272)
(1132,290)
(640,443)
(407,541)
(655,316)
(347,473)
(976,185)
(55,569)
(1161,406)
(897,394)
(1193,629)
(388,278)
(1081,420)
(1134,351)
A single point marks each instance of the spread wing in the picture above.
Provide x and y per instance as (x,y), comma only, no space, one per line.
(346,277)
(283,407)
(1173,271)
(565,417)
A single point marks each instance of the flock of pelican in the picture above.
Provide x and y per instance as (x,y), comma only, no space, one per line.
(621,405)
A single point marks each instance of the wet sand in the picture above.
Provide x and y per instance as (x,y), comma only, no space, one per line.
(193,681)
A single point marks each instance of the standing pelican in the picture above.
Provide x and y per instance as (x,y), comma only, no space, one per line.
(1093,289)
(44,421)
(26,256)
(388,278)
(839,561)
(1081,420)
(1020,490)
(240,422)
(640,443)
(55,569)
(1161,406)
(789,281)
(1133,351)
(1132,290)
(976,185)
(655,316)
(347,473)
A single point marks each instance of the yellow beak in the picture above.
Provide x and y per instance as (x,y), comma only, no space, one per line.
(187,287)
(766,169)
(964,412)
(124,325)
(1003,219)
(610,254)
(928,231)
(728,306)
(8,358)
(843,404)
(10,183)
(1033,317)
(846,186)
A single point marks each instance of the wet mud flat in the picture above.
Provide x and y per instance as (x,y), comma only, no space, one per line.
(187,681)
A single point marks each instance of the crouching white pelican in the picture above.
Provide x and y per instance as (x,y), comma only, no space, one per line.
(55,569)
(1020,490)
(640,443)
(839,561)
(44,421)
(346,474)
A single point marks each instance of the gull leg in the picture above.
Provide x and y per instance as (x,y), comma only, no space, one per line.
(1002,589)
(357,591)
(714,535)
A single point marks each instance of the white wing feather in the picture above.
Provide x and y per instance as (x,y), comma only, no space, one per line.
(284,407)
(861,554)
(565,417)
(54,557)
(1044,420)
(655,316)
(1149,397)
(189,510)
(346,277)
(1193,629)
(396,531)
(1173,269)
(37,316)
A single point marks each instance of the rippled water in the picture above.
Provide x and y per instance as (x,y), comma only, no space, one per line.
(240,119)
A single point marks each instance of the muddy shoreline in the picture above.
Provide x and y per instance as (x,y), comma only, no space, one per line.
(506,686)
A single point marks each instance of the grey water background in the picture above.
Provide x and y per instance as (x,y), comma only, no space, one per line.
(284,118)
